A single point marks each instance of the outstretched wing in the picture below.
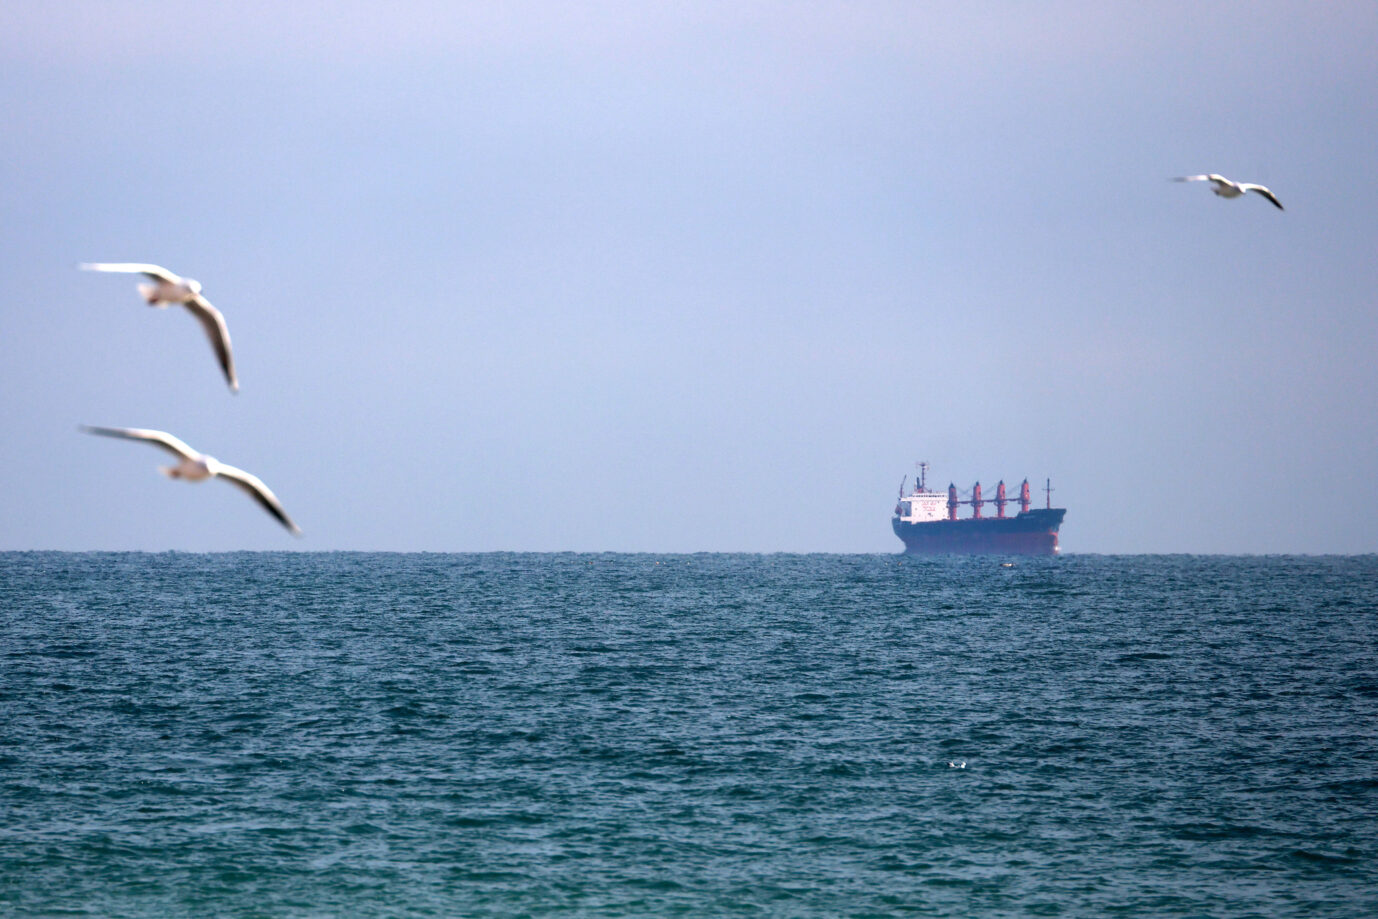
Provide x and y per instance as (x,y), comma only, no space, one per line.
(260,493)
(1213,177)
(214,323)
(157,438)
(156,272)
(1264,192)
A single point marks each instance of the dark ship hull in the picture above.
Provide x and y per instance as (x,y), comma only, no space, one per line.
(1032,532)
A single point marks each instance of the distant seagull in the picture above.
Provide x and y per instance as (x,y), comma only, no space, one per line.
(169,288)
(196,467)
(1227,189)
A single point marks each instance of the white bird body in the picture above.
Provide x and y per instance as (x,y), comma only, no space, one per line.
(166,289)
(195,466)
(193,469)
(165,293)
(1228,189)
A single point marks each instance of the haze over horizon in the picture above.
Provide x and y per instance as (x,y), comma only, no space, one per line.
(691,277)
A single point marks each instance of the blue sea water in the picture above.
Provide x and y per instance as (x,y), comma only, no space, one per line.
(692,735)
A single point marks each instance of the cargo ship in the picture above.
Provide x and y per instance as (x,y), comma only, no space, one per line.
(927,522)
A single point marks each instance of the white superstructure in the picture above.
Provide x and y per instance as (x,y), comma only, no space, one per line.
(921,506)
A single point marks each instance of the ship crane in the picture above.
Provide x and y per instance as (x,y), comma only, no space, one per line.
(974,499)
(956,499)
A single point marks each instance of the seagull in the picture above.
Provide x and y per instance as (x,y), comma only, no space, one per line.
(197,467)
(1227,189)
(167,289)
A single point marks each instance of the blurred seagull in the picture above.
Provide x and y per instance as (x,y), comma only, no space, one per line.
(197,467)
(168,288)
(1227,189)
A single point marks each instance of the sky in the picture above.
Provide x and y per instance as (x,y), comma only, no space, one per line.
(679,277)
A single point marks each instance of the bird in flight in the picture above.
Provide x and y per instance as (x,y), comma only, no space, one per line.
(1227,189)
(167,288)
(197,467)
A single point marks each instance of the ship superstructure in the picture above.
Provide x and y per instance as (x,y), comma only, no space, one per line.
(928,522)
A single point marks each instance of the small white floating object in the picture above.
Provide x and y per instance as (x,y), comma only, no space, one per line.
(197,467)
(167,289)
(1227,189)
(961,765)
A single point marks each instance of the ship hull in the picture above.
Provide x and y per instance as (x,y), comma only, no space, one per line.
(1030,533)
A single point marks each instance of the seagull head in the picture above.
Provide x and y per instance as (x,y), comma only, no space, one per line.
(193,286)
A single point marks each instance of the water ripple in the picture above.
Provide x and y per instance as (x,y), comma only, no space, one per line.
(625,735)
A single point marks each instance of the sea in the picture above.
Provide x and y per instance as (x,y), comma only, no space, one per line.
(581,735)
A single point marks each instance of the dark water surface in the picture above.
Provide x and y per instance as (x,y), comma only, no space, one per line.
(702,735)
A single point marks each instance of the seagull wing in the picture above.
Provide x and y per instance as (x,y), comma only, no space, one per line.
(156,272)
(1246,186)
(214,324)
(1194,178)
(157,438)
(260,493)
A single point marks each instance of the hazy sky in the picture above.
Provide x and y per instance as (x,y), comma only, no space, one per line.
(703,276)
